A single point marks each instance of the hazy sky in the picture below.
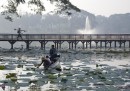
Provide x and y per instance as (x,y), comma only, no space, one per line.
(103,7)
(97,7)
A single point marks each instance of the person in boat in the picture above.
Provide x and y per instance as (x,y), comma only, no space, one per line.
(46,63)
(53,53)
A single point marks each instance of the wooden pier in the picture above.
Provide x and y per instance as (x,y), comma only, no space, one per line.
(99,40)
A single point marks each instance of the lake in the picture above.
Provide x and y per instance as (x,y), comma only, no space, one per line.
(82,70)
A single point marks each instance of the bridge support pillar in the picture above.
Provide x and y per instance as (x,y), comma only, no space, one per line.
(110,43)
(90,43)
(41,44)
(60,43)
(129,44)
(72,45)
(115,44)
(100,44)
(96,44)
(56,44)
(27,44)
(124,44)
(86,44)
(12,44)
(69,44)
(106,44)
(83,44)
(120,43)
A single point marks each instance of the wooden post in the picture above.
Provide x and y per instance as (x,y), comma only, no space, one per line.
(110,43)
(69,45)
(96,44)
(72,45)
(105,43)
(120,44)
(115,44)
(75,44)
(100,44)
(27,44)
(124,44)
(90,45)
(129,44)
(12,44)
(86,44)
(41,44)
(83,44)
(57,45)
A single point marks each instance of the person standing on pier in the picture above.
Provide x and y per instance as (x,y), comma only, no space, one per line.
(19,31)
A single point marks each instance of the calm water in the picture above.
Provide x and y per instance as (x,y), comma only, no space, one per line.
(82,70)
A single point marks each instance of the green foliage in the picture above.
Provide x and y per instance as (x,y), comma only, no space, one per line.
(51,76)
(10,75)
(63,6)
(2,67)
(14,79)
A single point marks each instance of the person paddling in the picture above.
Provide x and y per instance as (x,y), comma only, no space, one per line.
(46,63)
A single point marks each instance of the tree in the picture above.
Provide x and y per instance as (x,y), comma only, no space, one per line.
(62,6)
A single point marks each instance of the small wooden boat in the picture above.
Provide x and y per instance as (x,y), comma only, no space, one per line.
(56,65)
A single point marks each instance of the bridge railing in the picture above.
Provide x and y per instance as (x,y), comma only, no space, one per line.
(6,37)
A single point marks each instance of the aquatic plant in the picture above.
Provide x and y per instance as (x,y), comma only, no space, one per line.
(29,74)
(66,68)
(69,74)
(102,77)
(64,80)
(51,76)
(2,67)
(33,81)
(81,79)
(19,66)
(14,79)
(10,75)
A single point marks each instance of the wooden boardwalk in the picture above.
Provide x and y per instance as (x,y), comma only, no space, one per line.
(100,40)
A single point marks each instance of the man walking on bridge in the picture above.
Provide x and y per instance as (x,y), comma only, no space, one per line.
(19,31)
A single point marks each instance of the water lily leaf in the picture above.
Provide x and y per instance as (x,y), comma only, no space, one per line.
(2,67)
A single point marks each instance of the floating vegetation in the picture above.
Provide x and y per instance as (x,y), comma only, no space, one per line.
(19,66)
(10,75)
(102,77)
(97,71)
(52,76)
(66,68)
(29,74)
(64,80)
(34,88)
(2,67)
(109,82)
(81,80)
(68,74)
(14,79)
(33,81)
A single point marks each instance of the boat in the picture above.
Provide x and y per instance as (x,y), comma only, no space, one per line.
(56,65)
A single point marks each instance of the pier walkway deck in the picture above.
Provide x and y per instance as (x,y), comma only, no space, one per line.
(100,40)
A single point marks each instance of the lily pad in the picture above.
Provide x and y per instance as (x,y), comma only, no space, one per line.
(2,67)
